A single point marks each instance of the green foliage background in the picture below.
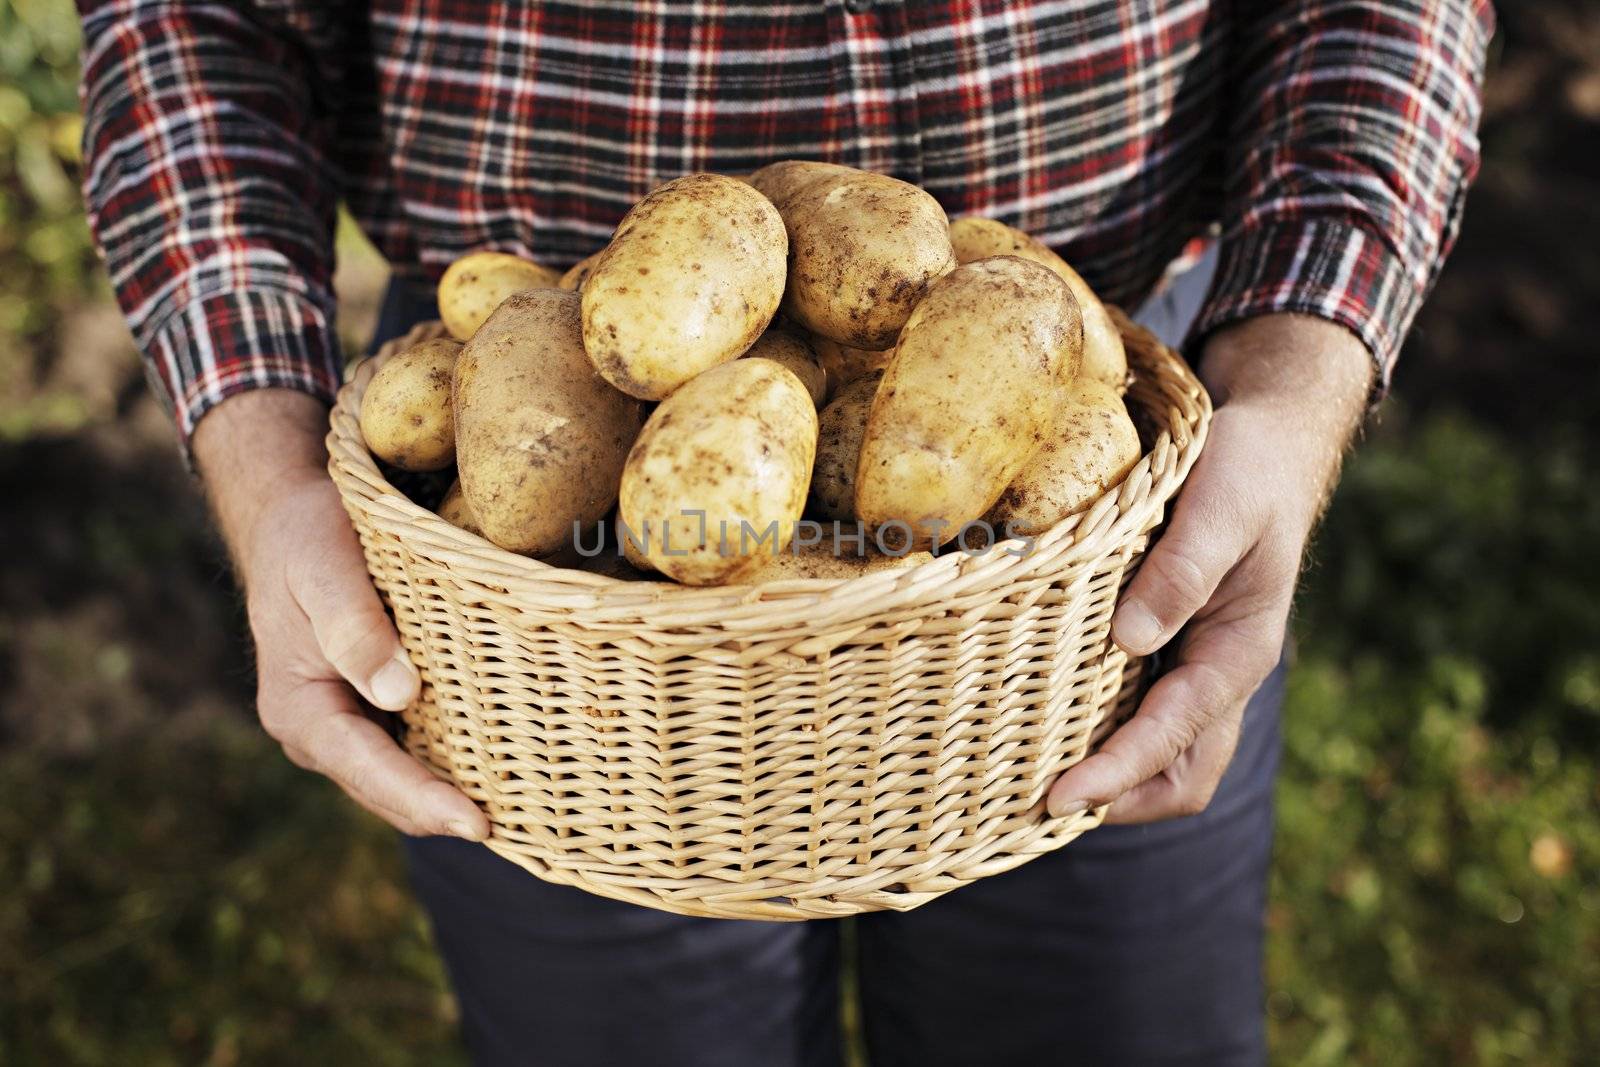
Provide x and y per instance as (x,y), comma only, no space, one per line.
(44,245)
(173,892)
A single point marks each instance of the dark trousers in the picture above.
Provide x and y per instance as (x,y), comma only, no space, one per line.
(1133,945)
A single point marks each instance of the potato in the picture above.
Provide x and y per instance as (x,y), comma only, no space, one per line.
(405,412)
(840,430)
(779,182)
(540,438)
(967,396)
(455,510)
(1091,446)
(1136,339)
(1103,355)
(579,272)
(474,285)
(788,350)
(691,279)
(844,364)
(863,250)
(826,560)
(722,464)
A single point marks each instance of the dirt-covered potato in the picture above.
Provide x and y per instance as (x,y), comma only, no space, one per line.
(540,437)
(579,272)
(844,364)
(783,347)
(840,430)
(863,250)
(967,397)
(1091,446)
(405,412)
(691,279)
(1103,355)
(719,472)
(474,285)
(455,510)
(820,560)
(779,182)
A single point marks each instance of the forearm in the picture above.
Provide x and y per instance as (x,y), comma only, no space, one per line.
(1304,382)
(250,448)
(325,650)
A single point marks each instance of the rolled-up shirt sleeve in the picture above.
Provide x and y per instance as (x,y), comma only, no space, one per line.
(210,195)
(1351,142)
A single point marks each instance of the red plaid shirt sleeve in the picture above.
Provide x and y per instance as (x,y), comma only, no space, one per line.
(1352,142)
(220,136)
(209,193)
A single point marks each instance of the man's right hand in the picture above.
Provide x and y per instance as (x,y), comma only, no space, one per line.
(326,654)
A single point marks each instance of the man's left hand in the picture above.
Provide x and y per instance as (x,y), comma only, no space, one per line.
(1290,391)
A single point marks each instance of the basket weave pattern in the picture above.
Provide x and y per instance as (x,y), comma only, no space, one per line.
(806,748)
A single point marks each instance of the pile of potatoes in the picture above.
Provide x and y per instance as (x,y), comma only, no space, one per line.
(810,341)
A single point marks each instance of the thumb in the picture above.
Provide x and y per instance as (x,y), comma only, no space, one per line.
(352,630)
(1181,572)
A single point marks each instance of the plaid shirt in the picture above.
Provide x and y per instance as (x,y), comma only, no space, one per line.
(1331,139)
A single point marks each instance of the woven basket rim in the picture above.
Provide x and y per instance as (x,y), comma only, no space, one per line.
(586,599)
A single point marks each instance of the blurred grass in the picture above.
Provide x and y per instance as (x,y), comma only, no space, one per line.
(1434,895)
(176,893)
(204,903)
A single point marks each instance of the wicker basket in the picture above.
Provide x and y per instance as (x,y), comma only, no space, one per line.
(802,749)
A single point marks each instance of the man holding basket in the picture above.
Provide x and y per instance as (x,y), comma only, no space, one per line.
(1330,141)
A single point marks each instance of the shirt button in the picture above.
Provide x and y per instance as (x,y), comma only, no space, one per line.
(858,7)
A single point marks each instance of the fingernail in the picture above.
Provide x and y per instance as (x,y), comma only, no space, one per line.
(463,830)
(394,683)
(1136,629)
(1067,807)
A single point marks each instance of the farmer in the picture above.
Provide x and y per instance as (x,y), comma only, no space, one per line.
(1329,140)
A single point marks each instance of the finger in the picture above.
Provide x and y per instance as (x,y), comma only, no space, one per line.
(1167,723)
(333,736)
(1223,660)
(394,819)
(297,756)
(1186,787)
(290,718)
(351,628)
(400,822)
(1207,537)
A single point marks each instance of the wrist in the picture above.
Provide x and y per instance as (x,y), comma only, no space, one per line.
(251,451)
(1295,387)
(1289,361)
